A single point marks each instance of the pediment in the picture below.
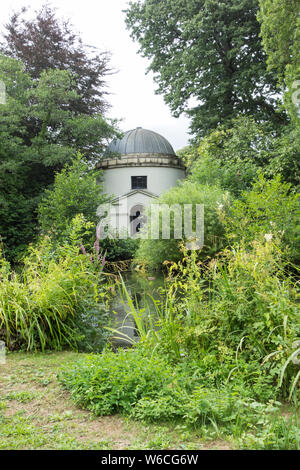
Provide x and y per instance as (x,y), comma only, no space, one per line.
(134,192)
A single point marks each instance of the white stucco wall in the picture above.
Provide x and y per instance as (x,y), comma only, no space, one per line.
(117,181)
(122,207)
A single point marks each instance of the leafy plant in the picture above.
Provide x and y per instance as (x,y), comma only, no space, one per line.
(58,299)
(153,253)
(271,209)
(75,191)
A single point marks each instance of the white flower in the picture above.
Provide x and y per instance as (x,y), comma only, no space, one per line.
(268,236)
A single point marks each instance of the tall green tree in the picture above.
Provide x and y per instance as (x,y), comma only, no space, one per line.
(39,134)
(280,31)
(75,191)
(45,42)
(232,157)
(207,58)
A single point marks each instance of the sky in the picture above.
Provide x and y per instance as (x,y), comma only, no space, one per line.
(132,92)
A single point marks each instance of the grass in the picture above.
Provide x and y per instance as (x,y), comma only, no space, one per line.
(35,413)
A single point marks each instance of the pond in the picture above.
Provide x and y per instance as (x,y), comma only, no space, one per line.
(145,290)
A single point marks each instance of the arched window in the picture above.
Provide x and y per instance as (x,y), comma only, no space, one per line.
(136,218)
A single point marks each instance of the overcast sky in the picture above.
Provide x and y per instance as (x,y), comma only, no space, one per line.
(101,24)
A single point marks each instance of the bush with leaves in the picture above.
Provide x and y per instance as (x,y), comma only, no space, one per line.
(145,386)
(153,253)
(271,208)
(232,157)
(59,298)
(142,385)
(75,191)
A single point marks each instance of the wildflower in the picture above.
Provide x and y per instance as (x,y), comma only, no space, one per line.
(96,246)
(268,236)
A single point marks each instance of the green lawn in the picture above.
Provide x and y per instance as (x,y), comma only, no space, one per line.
(36,413)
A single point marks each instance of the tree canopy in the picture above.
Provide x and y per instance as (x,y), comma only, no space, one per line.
(45,42)
(280,31)
(233,157)
(207,58)
(39,134)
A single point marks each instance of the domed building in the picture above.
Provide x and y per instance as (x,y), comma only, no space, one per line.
(138,168)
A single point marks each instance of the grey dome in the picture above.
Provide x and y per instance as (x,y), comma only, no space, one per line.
(141,141)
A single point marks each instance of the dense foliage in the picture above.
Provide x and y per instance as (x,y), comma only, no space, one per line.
(280,31)
(75,191)
(45,42)
(30,155)
(153,253)
(207,59)
(147,388)
(232,157)
(58,300)
(271,208)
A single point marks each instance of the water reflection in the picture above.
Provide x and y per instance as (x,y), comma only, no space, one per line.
(145,291)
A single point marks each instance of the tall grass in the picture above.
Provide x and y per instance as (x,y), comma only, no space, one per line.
(149,326)
(241,309)
(49,303)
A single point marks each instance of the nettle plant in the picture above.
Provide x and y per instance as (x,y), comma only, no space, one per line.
(248,305)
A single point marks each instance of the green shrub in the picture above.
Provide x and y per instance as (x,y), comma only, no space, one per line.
(249,307)
(154,252)
(146,387)
(57,301)
(270,208)
(113,383)
(75,191)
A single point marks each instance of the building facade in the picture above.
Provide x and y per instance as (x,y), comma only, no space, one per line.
(139,167)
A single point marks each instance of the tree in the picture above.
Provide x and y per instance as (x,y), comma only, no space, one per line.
(280,31)
(153,252)
(75,191)
(207,59)
(39,134)
(45,43)
(231,157)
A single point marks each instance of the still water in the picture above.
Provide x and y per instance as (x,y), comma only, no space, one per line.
(145,290)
